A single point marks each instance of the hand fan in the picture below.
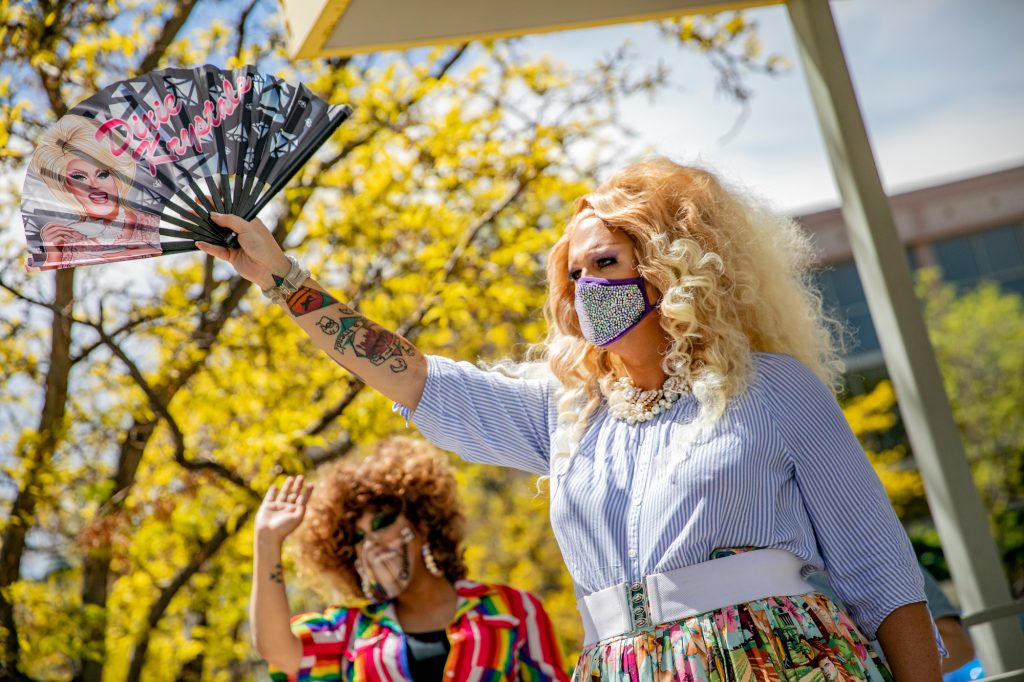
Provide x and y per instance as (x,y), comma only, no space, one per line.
(135,170)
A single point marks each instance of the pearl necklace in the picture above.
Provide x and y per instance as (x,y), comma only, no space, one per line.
(632,405)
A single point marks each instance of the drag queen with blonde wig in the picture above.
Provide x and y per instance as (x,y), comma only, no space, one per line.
(698,460)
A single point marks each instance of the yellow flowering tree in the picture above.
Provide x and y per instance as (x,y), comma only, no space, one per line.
(873,416)
(977,336)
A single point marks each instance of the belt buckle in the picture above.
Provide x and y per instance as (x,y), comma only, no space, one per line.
(636,598)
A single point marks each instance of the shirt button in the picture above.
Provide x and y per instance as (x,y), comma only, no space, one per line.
(632,554)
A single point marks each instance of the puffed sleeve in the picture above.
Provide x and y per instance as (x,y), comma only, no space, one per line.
(324,638)
(866,551)
(486,416)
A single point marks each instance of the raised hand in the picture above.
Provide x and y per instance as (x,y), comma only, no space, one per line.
(381,358)
(259,256)
(282,511)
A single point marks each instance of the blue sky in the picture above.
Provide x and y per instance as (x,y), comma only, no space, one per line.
(940,84)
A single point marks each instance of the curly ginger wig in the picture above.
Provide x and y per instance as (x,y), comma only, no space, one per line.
(403,474)
(734,278)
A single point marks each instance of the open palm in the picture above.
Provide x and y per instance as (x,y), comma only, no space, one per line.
(282,510)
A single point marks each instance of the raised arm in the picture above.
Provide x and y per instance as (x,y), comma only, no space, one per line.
(483,416)
(269,614)
(379,357)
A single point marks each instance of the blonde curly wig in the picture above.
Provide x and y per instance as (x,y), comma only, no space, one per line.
(404,475)
(734,278)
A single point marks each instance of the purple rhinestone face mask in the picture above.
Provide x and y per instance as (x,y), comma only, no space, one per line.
(608,308)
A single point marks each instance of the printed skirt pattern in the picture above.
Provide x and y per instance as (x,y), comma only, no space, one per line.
(804,638)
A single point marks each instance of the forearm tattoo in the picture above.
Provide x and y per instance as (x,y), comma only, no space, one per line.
(306,300)
(277,575)
(354,332)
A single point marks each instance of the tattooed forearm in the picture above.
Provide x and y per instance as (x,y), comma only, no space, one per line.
(367,340)
(277,575)
(372,342)
(354,332)
(306,300)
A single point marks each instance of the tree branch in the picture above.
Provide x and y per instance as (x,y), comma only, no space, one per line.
(35,455)
(155,400)
(161,409)
(226,530)
(128,326)
(400,108)
(243,19)
(182,10)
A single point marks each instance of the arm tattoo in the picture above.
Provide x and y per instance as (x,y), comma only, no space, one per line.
(277,575)
(372,342)
(306,300)
(366,339)
(328,325)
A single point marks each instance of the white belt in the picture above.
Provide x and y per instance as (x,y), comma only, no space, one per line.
(684,592)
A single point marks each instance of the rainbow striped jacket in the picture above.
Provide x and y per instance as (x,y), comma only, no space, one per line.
(499,634)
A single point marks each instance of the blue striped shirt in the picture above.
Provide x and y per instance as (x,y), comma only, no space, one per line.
(781,469)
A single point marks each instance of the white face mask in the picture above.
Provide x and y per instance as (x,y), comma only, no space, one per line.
(384,569)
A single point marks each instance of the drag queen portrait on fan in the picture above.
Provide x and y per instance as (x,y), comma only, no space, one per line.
(698,460)
(89,186)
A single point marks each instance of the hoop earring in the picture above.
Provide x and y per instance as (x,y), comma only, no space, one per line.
(428,561)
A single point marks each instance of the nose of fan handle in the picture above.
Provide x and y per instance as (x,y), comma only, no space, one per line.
(231,240)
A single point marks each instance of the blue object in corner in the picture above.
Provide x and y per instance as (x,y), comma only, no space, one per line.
(969,671)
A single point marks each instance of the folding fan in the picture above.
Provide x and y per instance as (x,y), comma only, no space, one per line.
(135,170)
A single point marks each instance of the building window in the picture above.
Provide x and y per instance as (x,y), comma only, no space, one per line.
(843,298)
(994,255)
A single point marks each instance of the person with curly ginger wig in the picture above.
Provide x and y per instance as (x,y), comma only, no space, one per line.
(387,530)
(686,418)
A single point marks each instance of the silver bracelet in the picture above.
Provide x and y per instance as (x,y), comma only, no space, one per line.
(295,278)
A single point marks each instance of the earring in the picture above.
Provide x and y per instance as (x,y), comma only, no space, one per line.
(428,561)
(367,590)
(364,584)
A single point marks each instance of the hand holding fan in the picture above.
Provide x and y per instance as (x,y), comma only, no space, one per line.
(149,158)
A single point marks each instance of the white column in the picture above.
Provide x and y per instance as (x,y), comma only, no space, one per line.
(954,502)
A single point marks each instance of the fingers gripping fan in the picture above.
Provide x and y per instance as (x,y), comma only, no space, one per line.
(135,170)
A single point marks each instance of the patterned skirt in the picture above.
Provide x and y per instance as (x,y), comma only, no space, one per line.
(805,638)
